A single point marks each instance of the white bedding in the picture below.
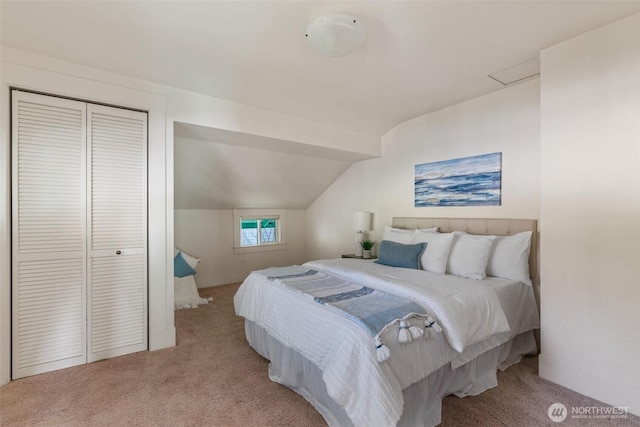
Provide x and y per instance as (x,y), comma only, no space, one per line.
(518,303)
(469,311)
(458,304)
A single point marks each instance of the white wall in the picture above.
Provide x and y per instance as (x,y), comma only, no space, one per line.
(590,211)
(208,234)
(165,105)
(505,121)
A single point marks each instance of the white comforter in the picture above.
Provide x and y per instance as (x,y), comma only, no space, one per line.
(370,392)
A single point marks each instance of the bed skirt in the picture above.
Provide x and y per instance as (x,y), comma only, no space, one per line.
(422,400)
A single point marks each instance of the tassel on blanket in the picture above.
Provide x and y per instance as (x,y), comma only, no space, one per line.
(431,328)
(404,336)
(408,332)
(436,327)
(415,331)
(382,351)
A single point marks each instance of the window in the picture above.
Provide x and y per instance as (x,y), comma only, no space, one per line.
(254,232)
(257,230)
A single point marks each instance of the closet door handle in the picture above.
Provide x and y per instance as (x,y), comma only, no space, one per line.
(118,252)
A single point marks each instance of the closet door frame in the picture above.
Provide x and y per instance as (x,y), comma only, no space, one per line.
(86,252)
(39,75)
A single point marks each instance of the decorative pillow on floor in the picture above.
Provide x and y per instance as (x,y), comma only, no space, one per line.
(185,293)
(191,260)
(181,268)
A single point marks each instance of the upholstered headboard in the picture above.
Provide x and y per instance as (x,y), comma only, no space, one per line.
(493,226)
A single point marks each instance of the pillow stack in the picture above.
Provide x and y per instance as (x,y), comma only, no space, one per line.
(185,291)
(184,264)
(458,253)
(401,248)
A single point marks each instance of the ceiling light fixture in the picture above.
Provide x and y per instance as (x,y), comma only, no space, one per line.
(335,34)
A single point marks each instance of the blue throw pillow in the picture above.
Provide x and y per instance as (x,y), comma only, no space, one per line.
(400,255)
(180,267)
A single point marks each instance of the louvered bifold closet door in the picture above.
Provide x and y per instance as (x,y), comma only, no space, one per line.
(48,233)
(118,237)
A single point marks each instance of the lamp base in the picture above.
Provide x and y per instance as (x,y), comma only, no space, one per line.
(360,236)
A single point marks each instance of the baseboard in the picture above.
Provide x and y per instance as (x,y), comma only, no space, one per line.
(166,340)
(590,383)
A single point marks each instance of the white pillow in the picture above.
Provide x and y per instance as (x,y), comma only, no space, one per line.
(404,235)
(398,235)
(428,230)
(510,257)
(191,260)
(435,256)
(398,230)
(469,255)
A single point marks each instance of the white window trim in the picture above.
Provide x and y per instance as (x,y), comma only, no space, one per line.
(239,214)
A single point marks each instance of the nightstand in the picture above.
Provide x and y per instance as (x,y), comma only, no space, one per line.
(356,257)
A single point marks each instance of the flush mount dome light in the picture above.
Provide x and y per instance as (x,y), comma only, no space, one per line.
(335,34)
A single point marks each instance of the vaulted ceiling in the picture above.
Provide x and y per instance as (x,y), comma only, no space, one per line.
(218,169)
(418,57)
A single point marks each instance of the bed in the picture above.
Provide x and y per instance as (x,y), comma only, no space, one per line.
(484,324)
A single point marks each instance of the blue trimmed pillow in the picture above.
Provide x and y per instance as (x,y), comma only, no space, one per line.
(400,255)
(181,267)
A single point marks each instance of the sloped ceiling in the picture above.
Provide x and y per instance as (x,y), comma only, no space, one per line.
(226,170)
(209,175)
(418,57)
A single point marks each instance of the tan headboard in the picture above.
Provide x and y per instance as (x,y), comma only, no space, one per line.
(493,226)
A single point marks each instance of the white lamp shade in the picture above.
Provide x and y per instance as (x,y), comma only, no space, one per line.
(335,34)
(362,221)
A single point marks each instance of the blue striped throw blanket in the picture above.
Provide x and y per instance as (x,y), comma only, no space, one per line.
(376,310)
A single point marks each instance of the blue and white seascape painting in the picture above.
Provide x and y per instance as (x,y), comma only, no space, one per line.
(468,181)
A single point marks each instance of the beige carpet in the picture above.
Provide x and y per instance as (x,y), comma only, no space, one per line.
(213,378)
